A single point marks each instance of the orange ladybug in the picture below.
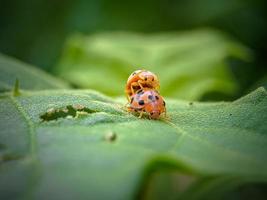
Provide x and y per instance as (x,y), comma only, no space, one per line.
(147,101)
(140,79)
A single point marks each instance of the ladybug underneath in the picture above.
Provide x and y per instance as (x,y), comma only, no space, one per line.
(140,79)
(147,101)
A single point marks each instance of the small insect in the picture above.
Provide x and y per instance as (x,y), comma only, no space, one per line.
(140,79)
(147,101)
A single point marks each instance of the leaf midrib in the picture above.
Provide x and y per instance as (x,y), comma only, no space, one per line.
(30,124)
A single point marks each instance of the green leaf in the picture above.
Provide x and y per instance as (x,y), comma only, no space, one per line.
(80,144)
(189,64)
(28,76)
(259,83)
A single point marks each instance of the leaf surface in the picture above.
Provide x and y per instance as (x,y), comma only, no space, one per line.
(73,157)
(28,76)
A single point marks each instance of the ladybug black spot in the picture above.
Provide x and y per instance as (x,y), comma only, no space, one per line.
(141,102)
(145,78)
(153,79)
(150,97)
(157,97)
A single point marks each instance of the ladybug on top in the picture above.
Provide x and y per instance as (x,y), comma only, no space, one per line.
(143,97)
(140,79)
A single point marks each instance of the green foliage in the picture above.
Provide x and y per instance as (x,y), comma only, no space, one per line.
(14,72)
(189,64)
(99,150)
(43,26)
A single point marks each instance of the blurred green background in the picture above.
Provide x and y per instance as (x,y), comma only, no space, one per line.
(36,31)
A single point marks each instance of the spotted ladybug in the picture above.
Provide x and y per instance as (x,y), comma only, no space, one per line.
(147,101)
(140,79)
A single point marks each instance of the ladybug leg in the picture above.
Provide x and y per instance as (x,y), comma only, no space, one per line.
(134,87)
(128,98)
(140,85)
(126,106)
(127,94)
(141,114)
(132,90)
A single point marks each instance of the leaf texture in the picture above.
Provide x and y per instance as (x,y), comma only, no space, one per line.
(72,158)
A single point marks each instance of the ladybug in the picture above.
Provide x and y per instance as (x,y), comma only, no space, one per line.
(147,101)
(140,79)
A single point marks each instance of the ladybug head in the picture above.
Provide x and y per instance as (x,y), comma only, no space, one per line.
(148,76)
(154,114)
